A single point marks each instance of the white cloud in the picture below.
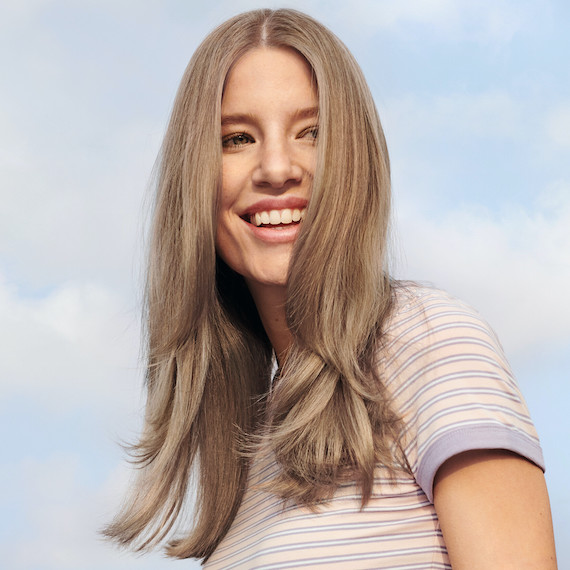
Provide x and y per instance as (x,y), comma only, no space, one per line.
(558,125)
(77,345)
(446,20)
(14,13)
(62,514)
(487,114)
(513,266)
(78,138)
(74,211)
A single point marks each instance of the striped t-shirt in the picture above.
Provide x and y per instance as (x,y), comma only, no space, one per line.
(454,390)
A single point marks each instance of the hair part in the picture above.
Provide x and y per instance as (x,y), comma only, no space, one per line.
(209,359)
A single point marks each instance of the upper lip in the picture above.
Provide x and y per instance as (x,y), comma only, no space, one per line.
(282,203)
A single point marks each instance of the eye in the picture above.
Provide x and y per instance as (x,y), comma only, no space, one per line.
(311,133)
(236,140)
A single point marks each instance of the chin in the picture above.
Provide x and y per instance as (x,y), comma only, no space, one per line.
(265,271)
(268,280)
(274,275)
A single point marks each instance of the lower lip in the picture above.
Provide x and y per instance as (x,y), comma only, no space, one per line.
(279,234)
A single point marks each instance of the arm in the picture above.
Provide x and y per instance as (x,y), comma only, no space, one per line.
(494,512)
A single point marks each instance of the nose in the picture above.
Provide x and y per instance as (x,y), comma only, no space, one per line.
(276,165)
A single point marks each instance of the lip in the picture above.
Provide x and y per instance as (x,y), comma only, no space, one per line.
(269,235)
(275,236)
(268,204)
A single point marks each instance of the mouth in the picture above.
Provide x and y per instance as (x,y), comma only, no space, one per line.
(276,218)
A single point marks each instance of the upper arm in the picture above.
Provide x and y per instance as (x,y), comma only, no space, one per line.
(494,512)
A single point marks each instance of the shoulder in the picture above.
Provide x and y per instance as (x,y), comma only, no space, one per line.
(420,309)
(450,382)
(429,326)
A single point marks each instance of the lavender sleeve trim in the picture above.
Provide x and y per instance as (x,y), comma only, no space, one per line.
(470,439)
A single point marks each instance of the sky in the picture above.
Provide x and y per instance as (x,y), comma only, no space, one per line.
(474,97)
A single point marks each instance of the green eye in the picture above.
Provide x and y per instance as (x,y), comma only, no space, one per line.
(236,140)
(312,133)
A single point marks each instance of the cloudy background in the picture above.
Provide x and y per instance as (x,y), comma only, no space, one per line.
(475,100)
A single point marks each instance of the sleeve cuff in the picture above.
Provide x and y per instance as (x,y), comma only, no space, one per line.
(470,439)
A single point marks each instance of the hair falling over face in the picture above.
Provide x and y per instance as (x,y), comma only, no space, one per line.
(209,360)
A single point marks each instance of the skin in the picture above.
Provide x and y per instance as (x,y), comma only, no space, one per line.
(269,120)
(492,505)
(494,512)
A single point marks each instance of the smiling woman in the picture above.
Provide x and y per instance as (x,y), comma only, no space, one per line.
(392,427)
(269,127)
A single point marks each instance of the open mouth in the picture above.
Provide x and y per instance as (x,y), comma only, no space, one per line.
(276,218)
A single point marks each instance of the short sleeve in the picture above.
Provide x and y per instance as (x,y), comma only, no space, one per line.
(451,384)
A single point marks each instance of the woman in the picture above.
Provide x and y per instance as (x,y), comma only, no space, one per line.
(393,434)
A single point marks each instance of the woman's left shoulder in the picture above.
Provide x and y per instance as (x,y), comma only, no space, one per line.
(431,323)
(422,304)
(451,383)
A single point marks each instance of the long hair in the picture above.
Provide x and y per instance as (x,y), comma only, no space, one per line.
(209,359)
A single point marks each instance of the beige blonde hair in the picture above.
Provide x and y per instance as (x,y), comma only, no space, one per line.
(209,360)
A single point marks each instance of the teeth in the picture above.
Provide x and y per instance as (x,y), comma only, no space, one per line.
(274,218)
(286,217)
(277,217)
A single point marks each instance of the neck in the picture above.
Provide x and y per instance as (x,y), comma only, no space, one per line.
(270,303)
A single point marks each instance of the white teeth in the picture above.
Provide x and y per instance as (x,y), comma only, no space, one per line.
(274,218)
(277,217)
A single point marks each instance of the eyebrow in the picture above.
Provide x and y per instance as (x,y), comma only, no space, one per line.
(307,113)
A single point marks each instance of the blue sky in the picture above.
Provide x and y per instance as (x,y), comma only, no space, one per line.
(475,101)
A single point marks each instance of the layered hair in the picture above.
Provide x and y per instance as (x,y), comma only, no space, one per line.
(327,419)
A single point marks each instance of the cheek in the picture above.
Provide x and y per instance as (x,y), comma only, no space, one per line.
(232,182)
(226,246)
(226,190)
(226,242)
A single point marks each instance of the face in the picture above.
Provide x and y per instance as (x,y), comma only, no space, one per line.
(269,130)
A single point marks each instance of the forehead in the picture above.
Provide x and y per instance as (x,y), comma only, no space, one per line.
(281,73)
